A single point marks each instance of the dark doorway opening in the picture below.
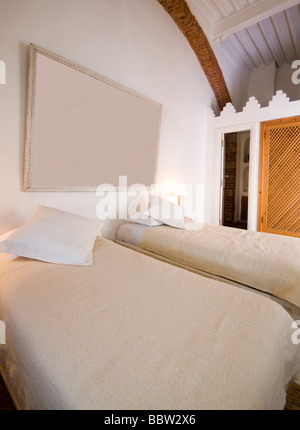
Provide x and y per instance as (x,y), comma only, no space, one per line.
(235,182)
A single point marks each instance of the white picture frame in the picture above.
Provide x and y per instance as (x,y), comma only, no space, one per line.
(84,130)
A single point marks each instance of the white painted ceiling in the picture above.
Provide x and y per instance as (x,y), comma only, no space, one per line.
(252,32)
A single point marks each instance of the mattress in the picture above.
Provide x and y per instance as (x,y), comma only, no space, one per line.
(133,333)
(266,262)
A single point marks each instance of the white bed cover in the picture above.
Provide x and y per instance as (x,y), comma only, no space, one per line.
(266,262)
(131,332)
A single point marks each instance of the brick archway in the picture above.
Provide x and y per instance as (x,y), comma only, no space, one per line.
(189,26)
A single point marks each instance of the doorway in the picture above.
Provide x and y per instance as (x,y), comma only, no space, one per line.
(235,181)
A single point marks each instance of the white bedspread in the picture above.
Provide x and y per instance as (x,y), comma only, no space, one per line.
(267,262)
(131,332)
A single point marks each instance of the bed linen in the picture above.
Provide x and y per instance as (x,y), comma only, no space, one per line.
(267,262)
(131,332)
(131,233)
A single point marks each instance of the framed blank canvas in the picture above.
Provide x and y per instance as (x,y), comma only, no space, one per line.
(84,130)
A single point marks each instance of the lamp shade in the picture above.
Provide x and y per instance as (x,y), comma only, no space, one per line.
(2,72)
(179,190)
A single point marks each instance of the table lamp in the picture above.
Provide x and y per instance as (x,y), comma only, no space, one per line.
(180,192)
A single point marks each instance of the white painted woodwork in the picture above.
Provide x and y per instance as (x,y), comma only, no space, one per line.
(249,118)
(245,17)
(253,32)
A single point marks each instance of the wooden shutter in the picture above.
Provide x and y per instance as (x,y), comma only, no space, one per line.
(279,186)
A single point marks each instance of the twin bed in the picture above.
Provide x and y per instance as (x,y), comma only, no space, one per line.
(265,263)
(132,332)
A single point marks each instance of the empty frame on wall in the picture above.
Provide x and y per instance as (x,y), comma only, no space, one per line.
(84,130)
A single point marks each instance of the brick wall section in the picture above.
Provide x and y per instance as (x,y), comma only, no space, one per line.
(230,177)
(187,23)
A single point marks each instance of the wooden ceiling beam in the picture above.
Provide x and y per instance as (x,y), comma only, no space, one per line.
(248,16)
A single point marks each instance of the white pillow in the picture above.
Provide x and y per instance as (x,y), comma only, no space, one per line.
(165,211)
(54,236)
(155,210)
(138,209)
(150,222)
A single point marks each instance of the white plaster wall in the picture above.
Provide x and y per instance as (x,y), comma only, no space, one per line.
(285,83)
(262,83)
(236,76)
(266,80)
(133,42)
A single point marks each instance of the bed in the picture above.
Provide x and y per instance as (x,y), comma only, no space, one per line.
(129,332)
(268,264)
(89,324)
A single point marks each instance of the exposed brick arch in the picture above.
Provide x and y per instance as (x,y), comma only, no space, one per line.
(187,23)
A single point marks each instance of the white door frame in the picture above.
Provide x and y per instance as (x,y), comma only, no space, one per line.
(254,129)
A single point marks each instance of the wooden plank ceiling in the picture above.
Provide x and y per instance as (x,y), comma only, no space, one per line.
(251,32)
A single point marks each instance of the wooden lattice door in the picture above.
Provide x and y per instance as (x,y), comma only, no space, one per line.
(279,189)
